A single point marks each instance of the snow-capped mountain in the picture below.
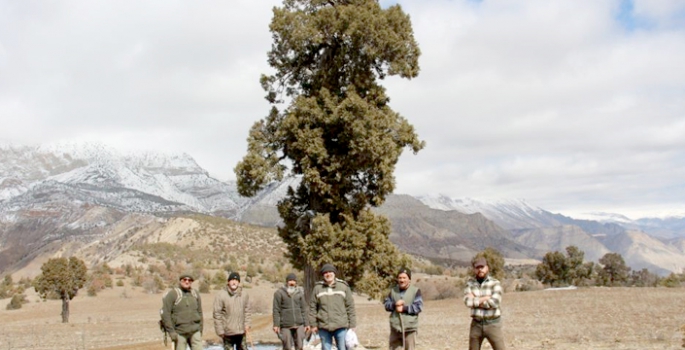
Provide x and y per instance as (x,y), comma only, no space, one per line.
(509,214)
(60,192)
(174,180)
(667,227)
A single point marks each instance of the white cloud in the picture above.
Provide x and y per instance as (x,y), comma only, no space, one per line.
(571,105)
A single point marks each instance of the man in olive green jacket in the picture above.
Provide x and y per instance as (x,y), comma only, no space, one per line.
(182,315)
(232,314)
(331,309)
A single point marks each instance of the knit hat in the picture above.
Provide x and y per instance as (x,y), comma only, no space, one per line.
(480,261)
(186,275)
(404,270)
(291,277)
(234,276)
(327,268)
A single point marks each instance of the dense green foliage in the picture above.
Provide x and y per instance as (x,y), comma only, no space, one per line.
(614,270)
(558,269)
(63,277)
(338,133)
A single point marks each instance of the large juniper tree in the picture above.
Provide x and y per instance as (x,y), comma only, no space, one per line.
(62,277)
(336,130)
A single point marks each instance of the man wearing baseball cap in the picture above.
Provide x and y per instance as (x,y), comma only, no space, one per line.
(404,302)
(182,314)
(290,314)
(483,294)
(331,309)
(232,314)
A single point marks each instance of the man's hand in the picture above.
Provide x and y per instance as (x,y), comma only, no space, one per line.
(277,329)
(307,328)
(315,329)
(399,306)
(173,336)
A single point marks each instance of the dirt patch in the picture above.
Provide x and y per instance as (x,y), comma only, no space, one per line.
(594,318)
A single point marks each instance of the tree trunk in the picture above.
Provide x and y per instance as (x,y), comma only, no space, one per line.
(309,281)
(65,309)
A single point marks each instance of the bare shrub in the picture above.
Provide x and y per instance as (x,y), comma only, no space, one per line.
(440,288)
(204,286)
(153,284)
(260,305)
(525,285)
(17,301)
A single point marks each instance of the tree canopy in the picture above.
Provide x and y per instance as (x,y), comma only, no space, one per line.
(557,269)
(331,124)
(63,277)
(614,270)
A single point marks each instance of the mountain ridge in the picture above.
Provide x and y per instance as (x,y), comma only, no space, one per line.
(48,193)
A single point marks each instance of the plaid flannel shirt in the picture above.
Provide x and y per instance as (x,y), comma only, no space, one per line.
(490,309)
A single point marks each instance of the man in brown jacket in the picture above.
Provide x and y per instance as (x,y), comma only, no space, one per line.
(232,314)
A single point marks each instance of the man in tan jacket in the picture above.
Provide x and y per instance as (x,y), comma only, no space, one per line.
(232,314)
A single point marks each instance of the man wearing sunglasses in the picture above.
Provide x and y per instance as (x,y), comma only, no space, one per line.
(182,314)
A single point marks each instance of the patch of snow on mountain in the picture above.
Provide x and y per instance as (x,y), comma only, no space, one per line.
(604,217)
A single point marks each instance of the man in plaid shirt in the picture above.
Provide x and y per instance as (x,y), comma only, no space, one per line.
(483,294)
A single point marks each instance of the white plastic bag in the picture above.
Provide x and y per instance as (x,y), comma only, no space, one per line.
(351,340)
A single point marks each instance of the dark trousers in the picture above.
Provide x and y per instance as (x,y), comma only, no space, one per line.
(490,331)
(396,340)
(294,336)
(238,341)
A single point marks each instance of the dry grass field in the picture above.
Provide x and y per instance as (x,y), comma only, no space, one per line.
(593,318)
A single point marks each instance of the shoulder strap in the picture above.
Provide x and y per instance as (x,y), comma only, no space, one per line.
(179,296)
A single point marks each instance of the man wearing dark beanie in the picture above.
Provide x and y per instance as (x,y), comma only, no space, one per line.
(404,302)
(290,314)
(232,314)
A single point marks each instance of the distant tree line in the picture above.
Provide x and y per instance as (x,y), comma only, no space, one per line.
(558,269)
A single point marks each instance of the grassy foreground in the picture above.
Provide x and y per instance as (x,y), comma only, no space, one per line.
(592,318)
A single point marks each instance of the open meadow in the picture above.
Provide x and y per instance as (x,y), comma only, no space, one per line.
(589,318)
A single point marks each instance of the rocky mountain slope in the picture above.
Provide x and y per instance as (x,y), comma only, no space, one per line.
(57,194)
(557,238)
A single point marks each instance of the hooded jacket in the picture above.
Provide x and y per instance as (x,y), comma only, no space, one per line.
(332,307)
(231,312)
(289,310)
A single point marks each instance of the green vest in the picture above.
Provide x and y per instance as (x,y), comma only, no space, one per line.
(410,322)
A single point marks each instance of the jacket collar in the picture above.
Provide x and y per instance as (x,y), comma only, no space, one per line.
(237,292)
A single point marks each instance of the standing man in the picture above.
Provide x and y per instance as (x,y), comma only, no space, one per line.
(404,302)
(232,314)
(331,309)
(290,314)
(182,314)
(483,294)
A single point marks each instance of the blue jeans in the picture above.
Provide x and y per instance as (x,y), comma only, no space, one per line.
(327,338)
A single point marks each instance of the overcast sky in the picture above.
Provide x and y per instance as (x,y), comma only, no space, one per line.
(574,106)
